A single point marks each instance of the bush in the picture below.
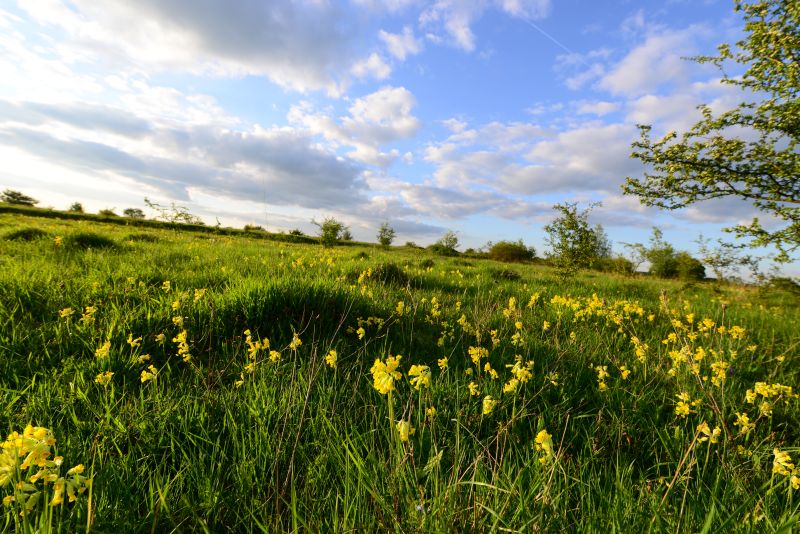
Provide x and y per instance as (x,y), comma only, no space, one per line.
(390,273)
(504,275)
(618,265)
(9,196)
(107,212)
(76,207)
(386,234)
(26,234)
(510,251)
(689,268)
(88,240)
(296,232)
(253,228)
(331,231)
(427,263)
(146,238)
(133,213)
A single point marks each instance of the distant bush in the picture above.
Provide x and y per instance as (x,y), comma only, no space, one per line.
(427,263)
(296,232)
(76,207)
(147,238)
(253,228)
(390,273)
(781,283)
(511,251)
(689,268)
(107,212)
(386,234)
(411,244)
(504,275)
(618,265)
(87,240)
(133,213)
(26,234)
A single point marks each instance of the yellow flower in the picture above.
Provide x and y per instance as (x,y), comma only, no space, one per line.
(330,359)
(58,240)
(400,308)
(405,430)
(431,412)
(134,342)
(476,353)
(546,326)
(104,378)
(782,464)
(103,351)
(488,404)
(421,374)
(199,294)
(149,374)
(274,356)
(143,358)
(625,372)
(743,422)
(361,332)
(442,362)
(296,342)
(473,389)
(384,374)
(66,312)
(160,338)
(166,286)
(795,481)
(544,444)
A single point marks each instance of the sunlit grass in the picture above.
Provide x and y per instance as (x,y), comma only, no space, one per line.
(215,383)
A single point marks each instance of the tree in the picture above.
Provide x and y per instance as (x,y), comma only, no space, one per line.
(133,213)
(174,213)
(330,231)
(573,243)
(724,258)
(386,234)
(752,151)
(510,251)
(107,212)
(446,245)
(9,196)
(76,207)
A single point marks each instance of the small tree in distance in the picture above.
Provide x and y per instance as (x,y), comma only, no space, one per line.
(573,243)
(133,213)
(511,251)
(76,207)
(9,196)
(330,231)
(386,234)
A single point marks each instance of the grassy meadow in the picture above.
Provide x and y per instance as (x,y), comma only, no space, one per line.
(211,383)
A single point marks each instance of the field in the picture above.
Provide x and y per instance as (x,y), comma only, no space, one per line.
(216,383)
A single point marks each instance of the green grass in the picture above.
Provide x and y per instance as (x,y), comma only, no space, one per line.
(295,445)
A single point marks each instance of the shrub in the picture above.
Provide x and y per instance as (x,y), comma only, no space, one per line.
(504,274)
(88,240)
(386,234)
(253,228)
(9,196)
(510,251)
(107,212)
(330,231)
(76,207)
(147,238)
(689,268)
(390,273)
(133,213)
(427,263)
(296,232)
(26,234)
(618,265)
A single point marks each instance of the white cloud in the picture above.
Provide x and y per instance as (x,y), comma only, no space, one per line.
(658,61)
(598,108)
(401,45)
(372,67)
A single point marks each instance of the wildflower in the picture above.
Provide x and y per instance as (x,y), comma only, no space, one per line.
(782,464)
(684,406)
(149,374)
(296,342)
(65,313)
(421,376)
(199,294)
(552,377)
(134,342)
(476,353)
(160,338)
(143,358)
(736,332)
(544,444)
(361,332)
(405,430)
(175,305)
(488,404)
(487,368)
(330,359)
(400,308)
(744,423)
(430,412)
(511,385)
(178,321)
(572,336)
(87,317)
(442,362)
(518,325)
(183,346)
(795,481)
(103,351)
(545,326)
(104,378)
(274,356)
(58,240)
(384,374)
(473,389)
(166,286)
(625,372)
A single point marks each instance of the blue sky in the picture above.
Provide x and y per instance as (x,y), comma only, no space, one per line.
(467,115)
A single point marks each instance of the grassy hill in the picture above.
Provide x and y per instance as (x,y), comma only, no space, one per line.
(213,382)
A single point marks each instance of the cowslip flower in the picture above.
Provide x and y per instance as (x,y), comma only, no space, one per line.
(330,358)
(421,376)
(544,444)
(744,423)
(782,464)
(405,430)
(134,342)
(442,363)
(296,342)
(66,312)
(488,404)
(149,374)
(103,351)
(104,378)
(385,373)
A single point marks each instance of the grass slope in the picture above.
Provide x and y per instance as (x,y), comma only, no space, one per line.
(599,388)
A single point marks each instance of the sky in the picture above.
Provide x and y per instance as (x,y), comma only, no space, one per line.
(475,116)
